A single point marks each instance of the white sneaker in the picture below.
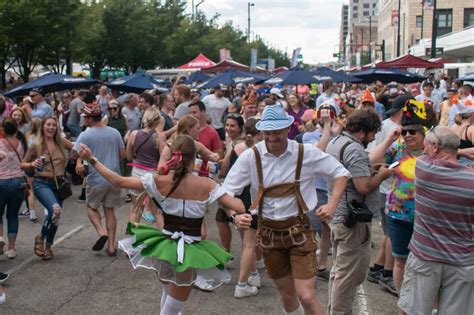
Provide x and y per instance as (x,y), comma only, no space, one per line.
(260,264)
(11,253)
(245,291)
(254,280)
(3,298)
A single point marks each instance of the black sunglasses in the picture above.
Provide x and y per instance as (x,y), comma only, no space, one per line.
(412,132)
(113,108)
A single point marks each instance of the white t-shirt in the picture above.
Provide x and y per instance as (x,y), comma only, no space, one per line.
(436,101)
(387,126)
(215,109)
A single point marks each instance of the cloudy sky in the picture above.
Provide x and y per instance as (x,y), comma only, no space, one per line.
(312,25)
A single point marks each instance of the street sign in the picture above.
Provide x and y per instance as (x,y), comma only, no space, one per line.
(439,51)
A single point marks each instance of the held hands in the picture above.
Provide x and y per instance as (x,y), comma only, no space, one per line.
(85,153)
(384,172)
(242,221)
(214,157)
(36,163)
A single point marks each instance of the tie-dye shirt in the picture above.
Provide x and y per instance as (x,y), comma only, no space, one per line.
(401,197)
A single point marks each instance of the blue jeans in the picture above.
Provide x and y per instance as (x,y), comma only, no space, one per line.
(47,193)
(74,130)
(12,194)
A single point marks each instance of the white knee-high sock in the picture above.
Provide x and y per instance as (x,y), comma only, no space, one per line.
(172,306)
(164,295)
(298,311)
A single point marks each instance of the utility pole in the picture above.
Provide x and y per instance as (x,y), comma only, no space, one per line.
(370,38)
(249,4)
(434,32)
(398,29)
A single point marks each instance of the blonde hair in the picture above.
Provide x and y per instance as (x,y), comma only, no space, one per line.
(151,117)
(40,141)
(185,123)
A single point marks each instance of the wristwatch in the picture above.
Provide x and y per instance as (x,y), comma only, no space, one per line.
(232,218)
(93,161)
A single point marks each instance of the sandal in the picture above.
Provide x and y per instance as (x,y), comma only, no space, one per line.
(112,253)
(39,246)
(48,254)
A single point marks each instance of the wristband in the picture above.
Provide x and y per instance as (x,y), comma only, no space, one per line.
(93,161)
(232,218)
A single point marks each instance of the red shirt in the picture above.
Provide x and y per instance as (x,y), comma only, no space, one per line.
(210,138)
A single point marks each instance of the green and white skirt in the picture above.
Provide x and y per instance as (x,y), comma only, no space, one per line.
(176,257)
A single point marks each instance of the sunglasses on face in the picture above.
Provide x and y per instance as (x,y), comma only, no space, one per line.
(113,108)
(33,95)
(412,132)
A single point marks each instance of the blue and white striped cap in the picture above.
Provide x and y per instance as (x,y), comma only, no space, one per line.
(274,117)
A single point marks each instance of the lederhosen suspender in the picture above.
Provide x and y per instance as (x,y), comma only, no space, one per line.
(280,190)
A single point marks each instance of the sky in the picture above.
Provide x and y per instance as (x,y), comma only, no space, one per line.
(312,25)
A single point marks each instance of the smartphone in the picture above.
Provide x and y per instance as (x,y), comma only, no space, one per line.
(393,165)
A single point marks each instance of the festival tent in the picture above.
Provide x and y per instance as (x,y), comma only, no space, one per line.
(136,83)
(409,61)
(232,77)
(52,82)
(467,77)
(388,75)
(324,73)
(200,62)
(227,65)
(197,76)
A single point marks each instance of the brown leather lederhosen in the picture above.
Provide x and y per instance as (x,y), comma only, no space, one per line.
(290,237)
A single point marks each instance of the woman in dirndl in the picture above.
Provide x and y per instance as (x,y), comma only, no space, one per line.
(176,252)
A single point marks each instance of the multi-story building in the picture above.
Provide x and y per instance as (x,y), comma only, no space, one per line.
(362,30)
(343,31)
(455,28)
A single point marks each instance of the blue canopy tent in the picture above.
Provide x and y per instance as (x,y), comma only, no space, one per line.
(292,77)
(136,83)
(466,77)
(232,77)
(52,82)
(197,77)
(324,73)
(388,75)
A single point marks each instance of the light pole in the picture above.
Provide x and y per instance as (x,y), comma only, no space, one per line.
(434,32)
(370,37)
(195,13)
(249,4)
(398,29)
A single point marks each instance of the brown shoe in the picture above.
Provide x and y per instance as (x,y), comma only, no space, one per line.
(48,254)
(39,246)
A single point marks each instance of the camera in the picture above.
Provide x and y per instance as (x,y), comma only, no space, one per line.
(357,212)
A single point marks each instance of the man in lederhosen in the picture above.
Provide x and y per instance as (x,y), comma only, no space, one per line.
(281,173)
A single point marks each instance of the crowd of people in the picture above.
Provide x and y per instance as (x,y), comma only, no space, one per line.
(300,170)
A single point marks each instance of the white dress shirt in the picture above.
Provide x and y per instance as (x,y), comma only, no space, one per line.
(281,169)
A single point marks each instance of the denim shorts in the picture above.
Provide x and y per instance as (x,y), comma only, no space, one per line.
(313,218)
(400,233)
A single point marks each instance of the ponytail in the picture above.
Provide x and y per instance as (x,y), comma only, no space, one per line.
(249,141)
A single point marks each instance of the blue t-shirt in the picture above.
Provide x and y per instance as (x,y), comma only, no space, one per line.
(105,143)
(42,110)
(313,137)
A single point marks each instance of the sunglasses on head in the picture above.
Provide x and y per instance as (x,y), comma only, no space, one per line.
(412,132)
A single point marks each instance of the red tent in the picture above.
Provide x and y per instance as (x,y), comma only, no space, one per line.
(409,61)
(200,62)
(228,65)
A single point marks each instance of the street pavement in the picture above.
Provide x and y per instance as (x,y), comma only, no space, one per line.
(80,281)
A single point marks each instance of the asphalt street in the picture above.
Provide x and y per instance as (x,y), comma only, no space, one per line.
(81,281)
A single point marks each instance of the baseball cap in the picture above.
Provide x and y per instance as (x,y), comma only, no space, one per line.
(277,92)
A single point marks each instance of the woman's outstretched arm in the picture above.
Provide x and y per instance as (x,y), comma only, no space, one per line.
(112,177)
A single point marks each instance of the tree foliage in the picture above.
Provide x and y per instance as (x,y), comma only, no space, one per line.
(130,34)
